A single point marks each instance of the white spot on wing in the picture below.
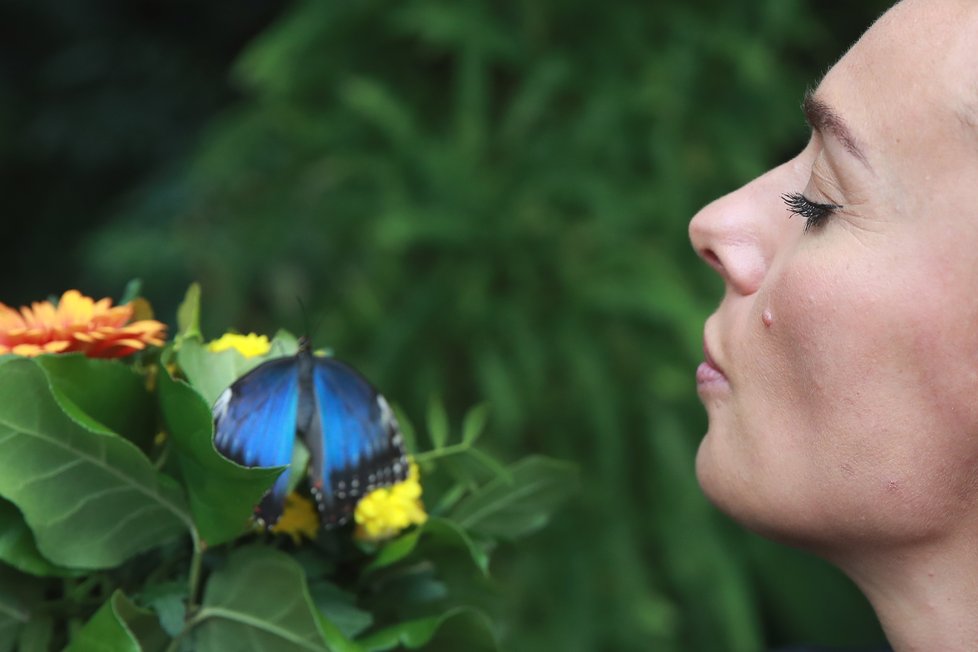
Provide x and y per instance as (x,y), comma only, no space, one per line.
(221,404)
(386,414)
(220,409)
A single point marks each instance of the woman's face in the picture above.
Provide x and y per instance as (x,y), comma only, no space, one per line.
(848,406)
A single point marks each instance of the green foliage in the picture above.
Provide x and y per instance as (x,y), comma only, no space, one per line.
(15,611)
(90,497)
(17,545)
(418,633)
(519,502)
(222,494)
(120,626)
(114,540)
(277,612)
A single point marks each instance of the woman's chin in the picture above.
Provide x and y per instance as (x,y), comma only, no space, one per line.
(713,473)
(742,495)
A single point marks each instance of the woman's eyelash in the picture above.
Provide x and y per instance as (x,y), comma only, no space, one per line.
(813,212)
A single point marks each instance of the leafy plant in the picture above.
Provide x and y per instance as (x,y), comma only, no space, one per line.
(122,528)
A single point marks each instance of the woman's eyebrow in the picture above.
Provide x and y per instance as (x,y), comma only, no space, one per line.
(824,119)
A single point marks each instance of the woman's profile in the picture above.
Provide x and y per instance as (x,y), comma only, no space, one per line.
(841,366)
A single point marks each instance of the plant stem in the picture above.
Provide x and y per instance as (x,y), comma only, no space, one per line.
(454,449)
(76,590)
(195,565)
(192,589)
(164,455)
(175,643)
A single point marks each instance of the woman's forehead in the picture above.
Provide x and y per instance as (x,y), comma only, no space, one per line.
(926,45)
(912,78)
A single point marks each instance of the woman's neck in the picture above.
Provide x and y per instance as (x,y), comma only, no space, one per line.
(926,595)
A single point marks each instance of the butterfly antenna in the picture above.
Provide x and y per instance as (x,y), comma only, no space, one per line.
(305,316)
(306,339)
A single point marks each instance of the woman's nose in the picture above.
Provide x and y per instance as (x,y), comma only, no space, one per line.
(737,234)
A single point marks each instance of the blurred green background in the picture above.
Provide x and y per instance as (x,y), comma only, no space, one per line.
(477,200)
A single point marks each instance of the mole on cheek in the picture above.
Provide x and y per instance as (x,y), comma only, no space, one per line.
(767,317)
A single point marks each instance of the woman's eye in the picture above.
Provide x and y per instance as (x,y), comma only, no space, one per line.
(813,212)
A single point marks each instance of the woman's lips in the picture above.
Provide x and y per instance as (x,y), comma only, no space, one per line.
(708,373)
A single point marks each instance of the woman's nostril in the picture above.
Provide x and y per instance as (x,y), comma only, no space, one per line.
(712,259)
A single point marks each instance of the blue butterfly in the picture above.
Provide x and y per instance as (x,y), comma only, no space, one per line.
(354,441)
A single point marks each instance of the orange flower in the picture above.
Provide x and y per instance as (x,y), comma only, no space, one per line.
(77,324)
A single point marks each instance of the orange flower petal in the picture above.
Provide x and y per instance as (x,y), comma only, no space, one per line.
(79,323)
(10,318)
(135,344)
(102,305)
(27,350)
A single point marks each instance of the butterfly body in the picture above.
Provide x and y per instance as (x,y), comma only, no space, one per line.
(352,436)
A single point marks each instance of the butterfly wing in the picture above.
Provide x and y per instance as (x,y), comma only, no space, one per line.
(353,439)
(255,424)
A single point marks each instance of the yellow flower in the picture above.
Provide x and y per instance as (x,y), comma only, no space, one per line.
(299,519)
(248,345)
(78,323)
(384,512)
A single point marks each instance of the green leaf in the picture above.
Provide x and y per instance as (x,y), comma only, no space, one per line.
(441,532)
(336,640)
(92,499)
(188,314)
(285,343)
(474,423)
(261,597)
(17,546)
(222,494)
(514,507)
(18,593)
(339,608)
(471,467)
(36,634)
(449,499)
(208,372)
(437,423)
(120,626)
(132,291)
(469,627)
(13,617)
(9,630)
(396,550)
(107,391)
(168,600)
(435,533)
